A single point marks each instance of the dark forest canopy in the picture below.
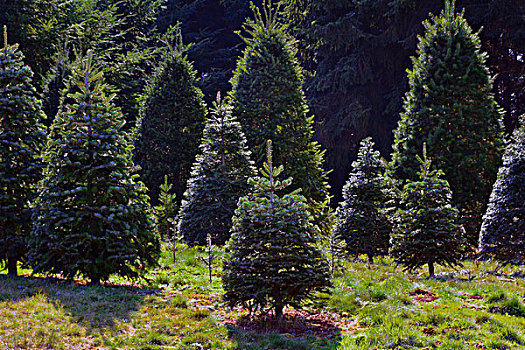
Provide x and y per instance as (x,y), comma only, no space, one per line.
(355,54)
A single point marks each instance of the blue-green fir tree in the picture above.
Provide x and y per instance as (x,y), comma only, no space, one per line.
(273,261)
(22,137)
(92,217)
(218,179)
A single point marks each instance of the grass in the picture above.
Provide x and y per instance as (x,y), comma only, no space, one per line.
(376,307)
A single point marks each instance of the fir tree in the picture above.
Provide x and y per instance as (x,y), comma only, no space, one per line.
(273,260)
(166,211)
(92,217)
(268,99)
(171,122)
(426,229)
(361,218)
(451,109)
(503,230)
(21,139)
(218,179)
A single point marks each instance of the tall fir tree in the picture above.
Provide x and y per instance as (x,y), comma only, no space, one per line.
(273,261)
(503,230)
(92,215)
(22,137)
(268,99)
(361,218)
(172,118)
(218,179)
(426,229)
(450,107)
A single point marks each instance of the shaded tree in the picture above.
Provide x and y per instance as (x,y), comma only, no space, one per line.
(22,137)
(172,116)
(361,218)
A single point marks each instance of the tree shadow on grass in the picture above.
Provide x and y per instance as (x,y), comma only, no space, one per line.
(298,329)
(90,306)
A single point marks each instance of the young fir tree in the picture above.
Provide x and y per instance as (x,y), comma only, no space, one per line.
(166,211)
(450,108)
(268,99)
(426,229)
(503,230)
(218,179)
(273,260)
(172,118)
(92,218)
(361,218)
(21,139)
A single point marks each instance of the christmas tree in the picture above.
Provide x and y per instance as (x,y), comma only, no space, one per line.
(450,107)
(361,218)
(21,138)
(92,219)
(503,230)
(426,229)
(172,118)
(273,261)
(218,179)
(269,102)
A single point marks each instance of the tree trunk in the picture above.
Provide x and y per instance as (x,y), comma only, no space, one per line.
(279,311)
(370,259)
(12,269)
(431,270)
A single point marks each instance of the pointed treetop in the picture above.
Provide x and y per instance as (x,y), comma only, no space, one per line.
(425,162)
(5,37)
(173,40)
(450,6)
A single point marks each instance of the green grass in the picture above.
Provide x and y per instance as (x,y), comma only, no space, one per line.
(179,309)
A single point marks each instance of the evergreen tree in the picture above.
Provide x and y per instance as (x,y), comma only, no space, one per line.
(273,260)
(268,99)
(172,118)
(21,139)
(356,53)
(426,229)
(503,230)
(218,179)
(451,109)
(166,211)
(92,217)
(361,218)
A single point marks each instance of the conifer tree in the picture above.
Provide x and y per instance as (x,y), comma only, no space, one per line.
(361,218)
(172,118)
(268,99)
(92,218)
(166,211)
(21,139)
(426,229)
(503,230)
(273,261)
(218,179)
(450,108)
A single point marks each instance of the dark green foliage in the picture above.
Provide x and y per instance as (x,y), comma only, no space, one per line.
(426,229)
(171,122)
(503,230)
(451,109)
(273,261)
(357,53)
(92,217)
(268,99)
(218,179)
(361,218)
(166,211)
(21,138)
